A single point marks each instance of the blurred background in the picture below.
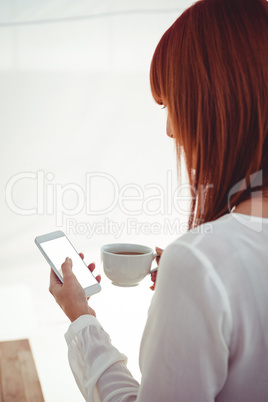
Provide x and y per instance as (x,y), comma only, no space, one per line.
(83,150)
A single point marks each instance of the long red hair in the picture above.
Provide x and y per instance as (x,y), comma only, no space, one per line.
(210,69)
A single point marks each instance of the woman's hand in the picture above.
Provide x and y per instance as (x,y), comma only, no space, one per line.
(159,251)
(70,295)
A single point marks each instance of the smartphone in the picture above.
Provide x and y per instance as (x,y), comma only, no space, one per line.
(55,247)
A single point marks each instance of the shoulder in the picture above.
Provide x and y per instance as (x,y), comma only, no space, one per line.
(209,244)
(200,257)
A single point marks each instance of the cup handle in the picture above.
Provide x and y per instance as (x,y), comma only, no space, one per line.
(155,268)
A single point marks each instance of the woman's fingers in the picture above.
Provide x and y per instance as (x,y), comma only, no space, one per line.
(98,277)
(91,267)
(153,279)
(153,276)
(159,251)
(66,268)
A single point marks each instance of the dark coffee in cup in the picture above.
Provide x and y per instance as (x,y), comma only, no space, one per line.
(128,253)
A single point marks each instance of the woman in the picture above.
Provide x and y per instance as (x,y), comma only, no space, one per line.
(206,337)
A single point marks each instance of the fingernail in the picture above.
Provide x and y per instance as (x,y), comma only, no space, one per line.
(68,259)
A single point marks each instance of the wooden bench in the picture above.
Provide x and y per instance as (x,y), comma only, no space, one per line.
(18,376)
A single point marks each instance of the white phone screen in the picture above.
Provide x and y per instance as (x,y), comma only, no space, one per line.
(60,248)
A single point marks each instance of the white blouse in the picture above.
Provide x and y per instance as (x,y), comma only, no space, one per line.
(206,337)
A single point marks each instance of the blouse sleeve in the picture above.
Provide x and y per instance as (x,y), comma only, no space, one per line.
(99,368)
(184,351)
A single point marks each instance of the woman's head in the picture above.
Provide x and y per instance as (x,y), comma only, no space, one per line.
(210,71)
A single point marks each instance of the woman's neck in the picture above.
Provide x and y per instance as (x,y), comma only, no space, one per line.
(255,206)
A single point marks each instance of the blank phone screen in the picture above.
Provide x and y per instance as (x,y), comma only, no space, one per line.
(58,249)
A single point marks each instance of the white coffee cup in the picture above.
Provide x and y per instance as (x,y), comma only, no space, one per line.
(127,264)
